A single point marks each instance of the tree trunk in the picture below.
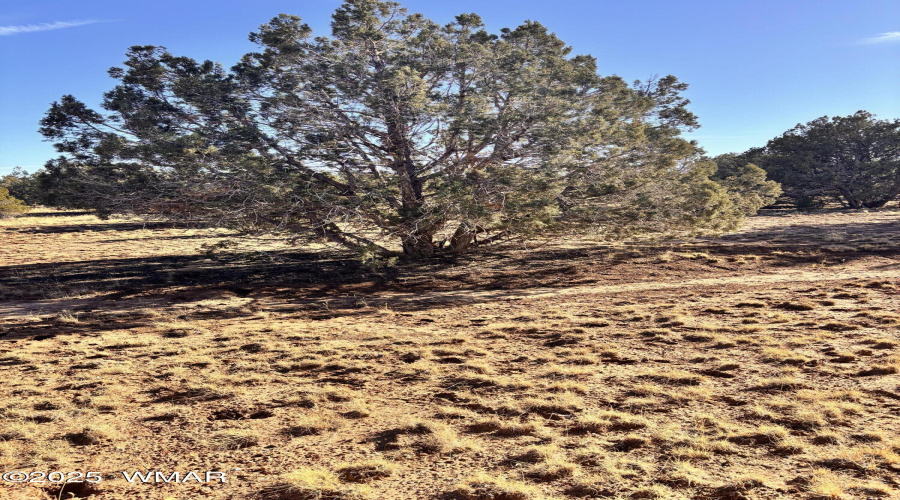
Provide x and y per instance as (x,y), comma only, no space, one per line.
(877,203)
(851,200)
(418,246)
(854,203)
(462,238)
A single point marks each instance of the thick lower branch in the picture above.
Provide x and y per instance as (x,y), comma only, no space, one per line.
(497,237)
(331,232)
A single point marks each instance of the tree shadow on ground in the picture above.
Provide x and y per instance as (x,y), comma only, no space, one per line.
(71,213)
(818,234)
(107,227)
(305,280)
(499,268)
(162,238)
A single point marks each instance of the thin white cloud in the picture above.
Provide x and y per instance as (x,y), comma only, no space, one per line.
(31,28)
(891,36)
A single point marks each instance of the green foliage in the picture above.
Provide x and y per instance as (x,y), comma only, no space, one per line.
(393,125)
(746,183)
(10,206)
(21,185)
(855,159)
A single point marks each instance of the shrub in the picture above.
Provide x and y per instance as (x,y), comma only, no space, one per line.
(10,206)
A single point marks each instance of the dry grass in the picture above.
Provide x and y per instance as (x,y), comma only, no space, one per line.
(486,487)
(310,484)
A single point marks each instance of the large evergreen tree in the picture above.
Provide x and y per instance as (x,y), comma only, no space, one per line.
(392,127)
(854,159)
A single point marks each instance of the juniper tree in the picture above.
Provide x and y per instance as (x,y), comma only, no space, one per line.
(854,159)
(393,127)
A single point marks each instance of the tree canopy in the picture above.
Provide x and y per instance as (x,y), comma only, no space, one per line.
(748,185)
(854,159)
(391,128)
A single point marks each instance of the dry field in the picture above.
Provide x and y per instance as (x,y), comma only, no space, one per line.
(763,364)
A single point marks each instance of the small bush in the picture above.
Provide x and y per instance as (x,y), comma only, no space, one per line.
(9,206)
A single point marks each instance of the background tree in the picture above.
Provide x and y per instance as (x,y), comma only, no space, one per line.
(392,127)
(855,159)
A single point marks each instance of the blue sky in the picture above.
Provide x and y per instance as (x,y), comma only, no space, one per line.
(756,67)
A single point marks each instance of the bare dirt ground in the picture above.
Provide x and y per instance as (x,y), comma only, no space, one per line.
(763,364)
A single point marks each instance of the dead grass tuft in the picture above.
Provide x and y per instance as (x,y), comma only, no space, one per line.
(365,471)
(485,487)
(310,484)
